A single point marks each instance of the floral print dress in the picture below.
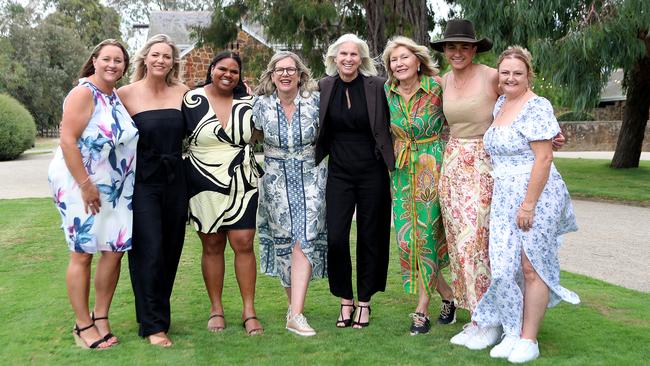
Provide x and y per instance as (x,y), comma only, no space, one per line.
(415,126)
(292,191)
(512,158)
(108,148)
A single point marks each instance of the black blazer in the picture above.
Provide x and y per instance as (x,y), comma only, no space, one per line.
(378,115)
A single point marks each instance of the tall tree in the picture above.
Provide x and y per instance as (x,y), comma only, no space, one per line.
(92,21)
(45,59)
(577,44)
(310,26)
(304,26)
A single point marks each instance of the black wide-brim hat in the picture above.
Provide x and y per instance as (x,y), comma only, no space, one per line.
(461,30)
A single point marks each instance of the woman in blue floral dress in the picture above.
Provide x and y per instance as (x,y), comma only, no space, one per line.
(291,213)
(91,177)
(531,209)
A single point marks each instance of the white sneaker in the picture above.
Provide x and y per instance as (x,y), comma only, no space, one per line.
(298,324)
(503,349)
(483,338)
(461,338)
(524,350)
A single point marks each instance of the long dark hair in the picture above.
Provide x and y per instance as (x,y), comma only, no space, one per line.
(89,69)
(240,88)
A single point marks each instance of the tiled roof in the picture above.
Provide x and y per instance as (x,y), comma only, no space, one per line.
(178,24)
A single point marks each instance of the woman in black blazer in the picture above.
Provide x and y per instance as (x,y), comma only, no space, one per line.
(355,134)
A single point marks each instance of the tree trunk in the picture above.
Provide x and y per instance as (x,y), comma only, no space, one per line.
(635,116)
(376,26)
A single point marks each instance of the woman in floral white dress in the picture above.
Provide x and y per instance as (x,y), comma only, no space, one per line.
(291,213)
(92,177)
(531,209)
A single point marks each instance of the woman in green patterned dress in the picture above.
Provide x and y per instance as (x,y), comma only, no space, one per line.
(415,102)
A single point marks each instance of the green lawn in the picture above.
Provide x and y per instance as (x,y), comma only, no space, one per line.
(593,178)
(610,327)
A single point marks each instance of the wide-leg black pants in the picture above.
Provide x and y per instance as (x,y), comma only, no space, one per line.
(357,181)
(159,220)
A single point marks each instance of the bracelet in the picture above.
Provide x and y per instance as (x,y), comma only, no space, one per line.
(521,207)
(84,182)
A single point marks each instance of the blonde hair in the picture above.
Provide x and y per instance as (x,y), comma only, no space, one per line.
(367,67)
(427,65)
(521,54)
(140,69)
(267,86)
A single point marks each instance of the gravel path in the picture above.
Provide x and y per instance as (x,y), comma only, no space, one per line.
(613,243)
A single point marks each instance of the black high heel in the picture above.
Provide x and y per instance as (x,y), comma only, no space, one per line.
(108,335)
(364,324)
(344,323)
(76,334)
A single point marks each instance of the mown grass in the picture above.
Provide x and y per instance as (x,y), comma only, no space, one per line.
(593,178)
(610,327)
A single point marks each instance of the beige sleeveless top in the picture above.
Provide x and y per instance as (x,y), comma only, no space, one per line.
(469,116)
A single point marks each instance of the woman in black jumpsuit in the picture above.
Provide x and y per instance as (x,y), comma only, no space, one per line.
(355,134)
(160,199)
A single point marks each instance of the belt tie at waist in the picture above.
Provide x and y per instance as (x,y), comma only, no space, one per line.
(407,149)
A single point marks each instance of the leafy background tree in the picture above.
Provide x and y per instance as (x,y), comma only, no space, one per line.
(308,27)
(44,54)
(576,45)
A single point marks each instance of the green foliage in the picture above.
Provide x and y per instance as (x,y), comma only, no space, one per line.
(40,58)
(576,116)
(223,27)
(17,128)
(90,20)
(306,27)
(47,58)
(575,44)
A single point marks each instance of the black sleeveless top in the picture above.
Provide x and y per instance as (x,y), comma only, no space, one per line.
(160,145)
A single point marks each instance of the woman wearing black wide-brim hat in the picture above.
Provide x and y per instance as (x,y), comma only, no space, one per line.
(469,93)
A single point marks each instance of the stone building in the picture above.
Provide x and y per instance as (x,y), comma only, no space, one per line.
(195,60)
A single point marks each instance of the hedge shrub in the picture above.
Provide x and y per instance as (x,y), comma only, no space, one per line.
(576,116)
(17,128)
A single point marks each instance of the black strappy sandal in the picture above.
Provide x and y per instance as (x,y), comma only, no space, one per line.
(365,324)
(76,334)
(108,335)
(253,331)
(344,323)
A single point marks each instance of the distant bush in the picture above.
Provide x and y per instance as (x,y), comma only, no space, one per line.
(17,128)
(576,116)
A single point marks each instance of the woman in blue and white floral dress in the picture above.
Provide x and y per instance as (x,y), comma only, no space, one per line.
(531,209)
(291,212)
(91,177)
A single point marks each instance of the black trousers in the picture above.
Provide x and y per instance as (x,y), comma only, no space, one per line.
(362,184)
(159,220)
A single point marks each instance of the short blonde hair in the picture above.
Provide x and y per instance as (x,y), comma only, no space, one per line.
(427,65)
(521,54)
(267,87)
(140,70)
(367,67)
